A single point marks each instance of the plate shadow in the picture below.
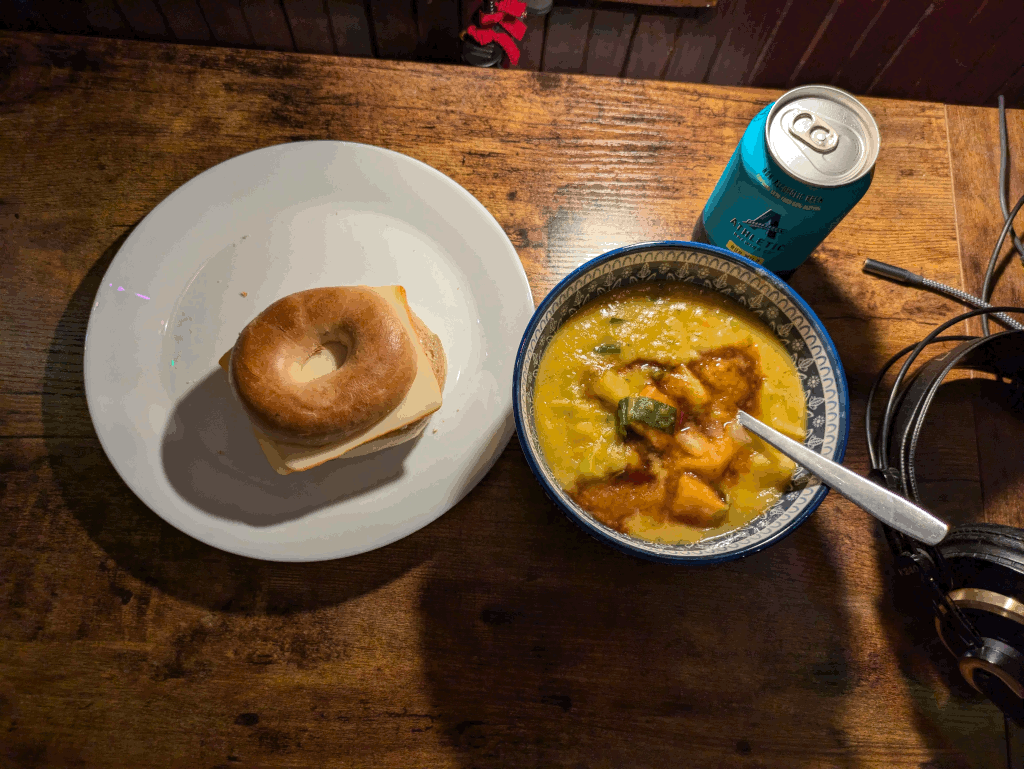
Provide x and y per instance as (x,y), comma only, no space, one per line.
(212,459)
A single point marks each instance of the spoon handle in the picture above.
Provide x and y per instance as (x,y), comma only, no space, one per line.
(887,507)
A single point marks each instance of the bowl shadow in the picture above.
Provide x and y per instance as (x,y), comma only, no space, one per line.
(548,648)
(152,551)
(545,647)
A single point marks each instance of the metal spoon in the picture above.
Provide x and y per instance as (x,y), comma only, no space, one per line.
(887,507)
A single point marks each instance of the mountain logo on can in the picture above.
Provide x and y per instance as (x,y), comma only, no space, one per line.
(768,221)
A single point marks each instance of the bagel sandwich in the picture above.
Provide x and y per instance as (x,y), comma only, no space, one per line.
(308,403)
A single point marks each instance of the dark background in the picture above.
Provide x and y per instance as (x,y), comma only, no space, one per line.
(945,50)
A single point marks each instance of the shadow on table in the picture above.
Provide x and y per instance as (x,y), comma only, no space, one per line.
(156,553)
(544,647)
(213,461)
(951,715)
(950,719)
(547,648)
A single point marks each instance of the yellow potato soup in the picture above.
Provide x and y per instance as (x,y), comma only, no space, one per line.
(635,403)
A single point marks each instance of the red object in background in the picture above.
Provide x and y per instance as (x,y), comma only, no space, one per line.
(503,26)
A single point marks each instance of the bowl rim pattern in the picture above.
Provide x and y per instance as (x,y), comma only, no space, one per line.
(643,548)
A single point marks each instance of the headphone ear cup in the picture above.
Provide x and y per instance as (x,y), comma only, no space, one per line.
(986,566)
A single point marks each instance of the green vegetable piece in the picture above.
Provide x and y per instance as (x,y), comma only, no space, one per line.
(653,413)
(616,320)
(648,411)
(608,347)
(622,417)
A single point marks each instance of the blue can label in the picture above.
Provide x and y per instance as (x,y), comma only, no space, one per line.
(759,211)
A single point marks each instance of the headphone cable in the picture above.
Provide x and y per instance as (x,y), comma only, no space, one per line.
(987,287)
(1004,175)
(908,278)
(1004,179)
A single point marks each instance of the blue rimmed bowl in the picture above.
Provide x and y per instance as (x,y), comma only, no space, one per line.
(751,286)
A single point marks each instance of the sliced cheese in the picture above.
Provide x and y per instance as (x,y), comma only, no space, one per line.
(423,398)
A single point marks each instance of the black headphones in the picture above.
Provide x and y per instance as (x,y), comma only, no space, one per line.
(974,578)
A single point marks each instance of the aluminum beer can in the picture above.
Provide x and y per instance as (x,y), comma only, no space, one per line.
(802,164)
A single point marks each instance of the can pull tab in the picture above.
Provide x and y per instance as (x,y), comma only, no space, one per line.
(814,132)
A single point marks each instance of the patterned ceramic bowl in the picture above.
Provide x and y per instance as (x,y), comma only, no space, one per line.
(795,324)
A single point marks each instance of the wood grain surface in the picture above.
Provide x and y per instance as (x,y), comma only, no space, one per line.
(500,635)
(974,142)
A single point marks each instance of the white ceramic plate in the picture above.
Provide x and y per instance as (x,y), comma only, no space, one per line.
(267,224)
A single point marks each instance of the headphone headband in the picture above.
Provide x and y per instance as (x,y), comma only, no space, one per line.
(1000,354)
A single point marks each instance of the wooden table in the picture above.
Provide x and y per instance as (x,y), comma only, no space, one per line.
(500,635)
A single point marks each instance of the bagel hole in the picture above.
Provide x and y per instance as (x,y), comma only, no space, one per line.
(329,358)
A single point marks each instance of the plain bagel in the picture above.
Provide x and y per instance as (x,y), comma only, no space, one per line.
(372,381)
(438,365)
